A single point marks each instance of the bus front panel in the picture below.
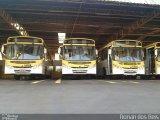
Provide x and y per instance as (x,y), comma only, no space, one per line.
(128,68)
(24,67)
(78,67)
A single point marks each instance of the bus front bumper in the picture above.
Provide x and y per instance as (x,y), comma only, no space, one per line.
(123,71)
(68,70)
(23,71)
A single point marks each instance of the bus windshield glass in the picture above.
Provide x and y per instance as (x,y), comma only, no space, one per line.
(127,43)
(127,54)
(79,53)
(25,39)
(24,52)
(78,41)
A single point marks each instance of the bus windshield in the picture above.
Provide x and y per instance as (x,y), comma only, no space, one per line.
(24,52)
(79,53)
(127,54)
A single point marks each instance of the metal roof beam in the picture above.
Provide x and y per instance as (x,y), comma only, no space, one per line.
(139,23)
(88,11)
(152,33)
(133,26)
(11,21)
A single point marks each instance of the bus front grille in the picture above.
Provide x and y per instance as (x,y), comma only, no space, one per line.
(22,66)
(22,71)
(79,62)
(79,67)
(130,63)
(130,71)
(79,71)
(23,62)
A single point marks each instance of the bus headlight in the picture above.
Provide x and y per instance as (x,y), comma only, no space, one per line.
(66,69)
(93,66)
(117,70)
(141,68)
(35,67)
(65,66)
(9,67)
(117,67)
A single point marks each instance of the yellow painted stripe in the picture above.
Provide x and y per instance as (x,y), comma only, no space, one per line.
(38,81)
(134,82)
(58,81)
(110,82)
(123,81)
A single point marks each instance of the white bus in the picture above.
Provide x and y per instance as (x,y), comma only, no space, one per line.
(78,57)
(121,58)
(25,57)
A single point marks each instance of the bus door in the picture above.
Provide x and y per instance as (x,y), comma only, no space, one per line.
(151,60)
(104,62)
(110,61)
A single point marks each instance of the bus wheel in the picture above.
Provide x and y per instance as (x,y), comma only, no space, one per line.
(63,77)
(24,77)
(138,77)
(51,77)
(43,77)
(66,77)
(17,77)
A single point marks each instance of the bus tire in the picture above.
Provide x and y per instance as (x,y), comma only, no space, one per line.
(17,77)
(42,77)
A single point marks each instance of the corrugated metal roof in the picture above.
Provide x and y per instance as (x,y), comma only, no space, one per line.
(101,20)
(157,2)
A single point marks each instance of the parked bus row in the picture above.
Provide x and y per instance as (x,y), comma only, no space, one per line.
(27,56)
(118,59)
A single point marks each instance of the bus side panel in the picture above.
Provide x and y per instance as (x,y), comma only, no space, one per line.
(150,61)
(146,61)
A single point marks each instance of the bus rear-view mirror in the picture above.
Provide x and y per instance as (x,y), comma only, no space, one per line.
(59,50)
(96,52)
(0,56)
(109,51)
(3,48)
(155,52)
(45,51)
